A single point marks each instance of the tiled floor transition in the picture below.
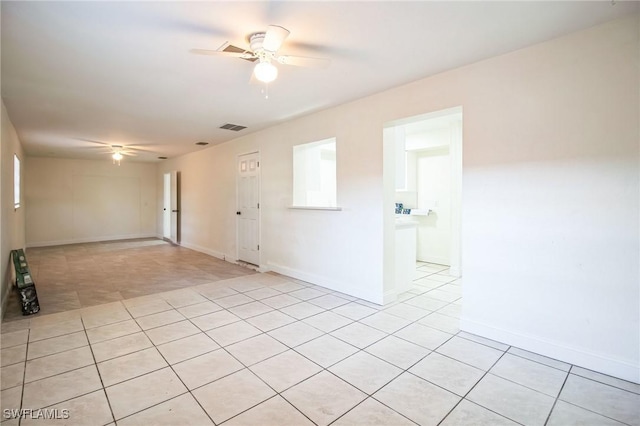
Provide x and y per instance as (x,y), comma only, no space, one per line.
(264,349)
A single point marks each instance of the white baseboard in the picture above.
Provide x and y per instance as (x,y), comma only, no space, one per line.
(323,282)
(263,269)
(208,251)
(434,259)
(578,356)
(89,240)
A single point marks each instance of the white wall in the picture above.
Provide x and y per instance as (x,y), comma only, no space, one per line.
(12,221)
(337,249)
(550,196)
(71,201)
(550,199)
(434,186)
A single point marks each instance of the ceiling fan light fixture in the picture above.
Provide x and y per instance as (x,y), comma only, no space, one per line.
(265,72)
(117,157)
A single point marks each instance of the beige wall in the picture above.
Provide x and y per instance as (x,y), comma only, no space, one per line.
(550,196)
(12,221)
(551,199)
(71,201)
(337,249)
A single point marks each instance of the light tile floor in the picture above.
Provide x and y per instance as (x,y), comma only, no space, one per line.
(79,275)
(267,350)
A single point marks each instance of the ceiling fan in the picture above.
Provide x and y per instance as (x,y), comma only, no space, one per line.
(116,151)
(119,152)
(263,48)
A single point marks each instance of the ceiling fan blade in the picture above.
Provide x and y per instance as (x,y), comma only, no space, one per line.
(302,61)
(274,38)
(241,55)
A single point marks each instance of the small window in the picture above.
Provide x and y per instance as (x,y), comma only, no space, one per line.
(314,174)
(16,181)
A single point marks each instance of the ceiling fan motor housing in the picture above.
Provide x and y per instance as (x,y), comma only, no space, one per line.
(256,41)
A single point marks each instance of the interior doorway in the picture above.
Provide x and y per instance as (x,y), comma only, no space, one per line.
(248,211)
(422,191)
(171,207)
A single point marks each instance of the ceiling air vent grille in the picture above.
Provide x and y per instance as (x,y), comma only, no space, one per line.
(233,127)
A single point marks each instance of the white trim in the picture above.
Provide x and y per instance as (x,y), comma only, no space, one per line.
(210,252)
(342,287)
(622,369)
(219,255)
(337,209)
(90,240)
(263,269)
(434,259)
(423,117)
(389,142)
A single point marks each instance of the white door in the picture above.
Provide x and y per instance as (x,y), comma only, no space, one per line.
(166,207)
(171,208)
(249,208)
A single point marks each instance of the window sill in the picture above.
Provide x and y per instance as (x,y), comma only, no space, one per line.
(336,209)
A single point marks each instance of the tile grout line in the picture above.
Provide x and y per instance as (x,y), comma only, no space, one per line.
(248,367)
(176,374)
(382,310)
(569,373)
(372,398)
(327,369)
(24,376)
(504,378)
(95,363)
(538,362)
(604,383)
(422,358)
(464,397)
(555,401)
(403,370)
(409,372)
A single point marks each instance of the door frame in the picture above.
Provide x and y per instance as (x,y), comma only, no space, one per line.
(237,207)
(389,188)
(166,206)
(171,205)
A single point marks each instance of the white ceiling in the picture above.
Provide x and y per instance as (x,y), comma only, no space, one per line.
(78,74)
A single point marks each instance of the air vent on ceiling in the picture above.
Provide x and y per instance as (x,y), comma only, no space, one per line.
(233,127)
(236,49)
(202,143)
